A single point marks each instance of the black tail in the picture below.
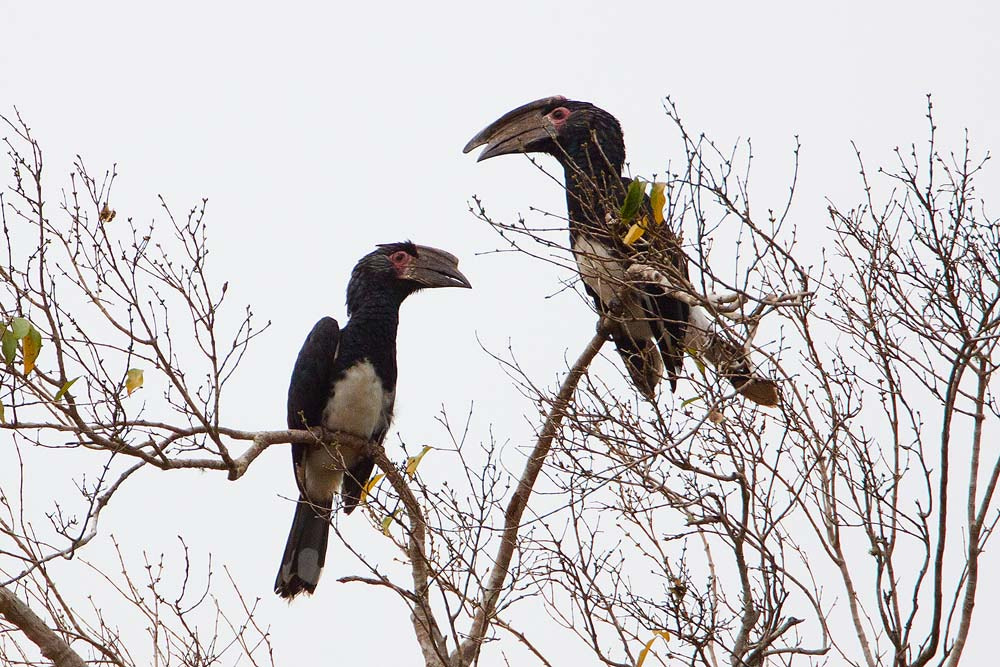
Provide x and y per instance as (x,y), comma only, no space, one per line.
(305,551)
(642,361)
(668,318)
(760,390)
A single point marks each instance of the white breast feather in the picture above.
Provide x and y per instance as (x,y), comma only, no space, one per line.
(359,406)
(605,274)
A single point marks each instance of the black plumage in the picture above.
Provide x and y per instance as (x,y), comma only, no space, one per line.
(588,143)
(345,380)
(651,323)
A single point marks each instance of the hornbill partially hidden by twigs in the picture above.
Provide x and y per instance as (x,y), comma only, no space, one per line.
(345,380)
(653,323)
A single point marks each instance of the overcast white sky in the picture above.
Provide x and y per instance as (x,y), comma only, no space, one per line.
(317,130)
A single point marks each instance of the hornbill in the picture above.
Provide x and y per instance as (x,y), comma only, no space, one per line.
(651,322)
(345,380)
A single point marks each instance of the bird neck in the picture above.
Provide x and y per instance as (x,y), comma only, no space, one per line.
(371,332)
(377,305)
(592,159)
(376,309)
(593,189)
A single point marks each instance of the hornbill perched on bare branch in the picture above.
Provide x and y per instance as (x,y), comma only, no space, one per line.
(345,380)
(588,143)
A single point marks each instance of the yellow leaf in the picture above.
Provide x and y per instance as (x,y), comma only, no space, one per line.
(386,522)
(133,380)
(636,231)
(369,485)
(3,420)
(694,354)
(658,200)
(107,214)
(31,344)
(649,645)
(678,588)
(633,235)
(414,461)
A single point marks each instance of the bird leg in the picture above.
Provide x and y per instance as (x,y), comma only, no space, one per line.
(615,307)
(726,303)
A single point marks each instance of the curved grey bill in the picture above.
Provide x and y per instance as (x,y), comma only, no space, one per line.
(436,268)
(515,129)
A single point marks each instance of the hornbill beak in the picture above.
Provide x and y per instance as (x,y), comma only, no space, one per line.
(435,268)
(516,130)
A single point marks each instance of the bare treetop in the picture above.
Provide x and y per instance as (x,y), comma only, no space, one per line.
(845,524)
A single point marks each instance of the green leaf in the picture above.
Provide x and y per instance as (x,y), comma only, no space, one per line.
(633,200)
(386,522)
(62,391)
(9,346)
(691,400)
(31,345)
(3,420)
(20,326)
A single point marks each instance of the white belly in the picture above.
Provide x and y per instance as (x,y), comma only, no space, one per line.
(359,406)
(605,274)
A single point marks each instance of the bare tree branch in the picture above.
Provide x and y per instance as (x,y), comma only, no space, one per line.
(48,642)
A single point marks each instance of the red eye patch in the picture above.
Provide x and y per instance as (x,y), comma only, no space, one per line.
(400,260)
(559,115)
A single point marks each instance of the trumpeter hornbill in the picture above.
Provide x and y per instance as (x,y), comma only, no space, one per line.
(345,380)
(588,143)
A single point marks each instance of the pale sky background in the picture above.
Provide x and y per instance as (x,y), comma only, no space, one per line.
(317,130)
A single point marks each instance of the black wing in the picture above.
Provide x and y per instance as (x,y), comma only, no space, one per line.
(668,320)
(668,316)
(643,370)
(355,479)
(312,380)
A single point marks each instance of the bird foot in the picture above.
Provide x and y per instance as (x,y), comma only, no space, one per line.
(615,306)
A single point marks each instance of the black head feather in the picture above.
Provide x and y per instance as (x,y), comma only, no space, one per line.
(393,271)
(375,277)
(582,136)
(584,125)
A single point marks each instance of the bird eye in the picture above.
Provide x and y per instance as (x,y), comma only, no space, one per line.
(562,113)
(398,257)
